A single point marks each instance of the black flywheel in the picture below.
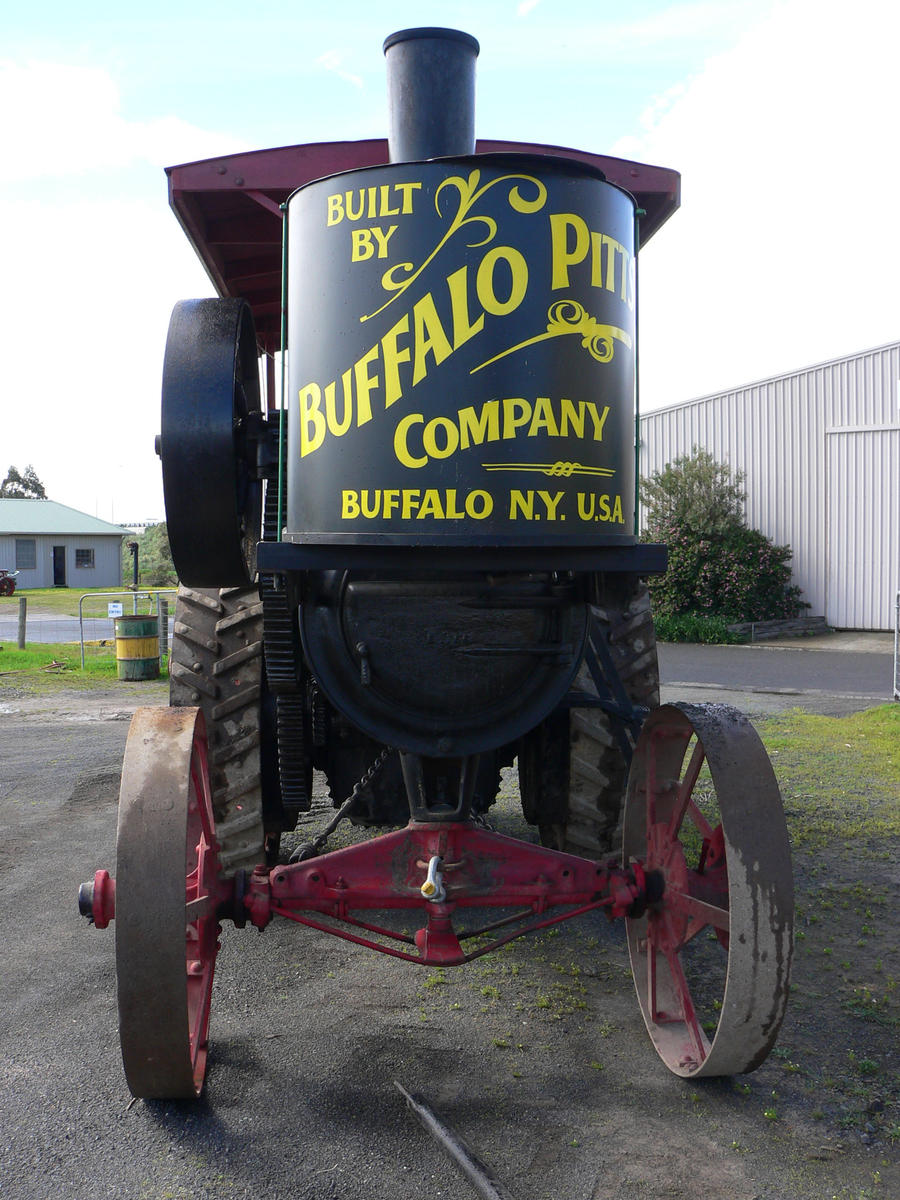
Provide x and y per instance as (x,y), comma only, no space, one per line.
(210,420)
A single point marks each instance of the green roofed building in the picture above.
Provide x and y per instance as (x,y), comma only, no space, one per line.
(52,545)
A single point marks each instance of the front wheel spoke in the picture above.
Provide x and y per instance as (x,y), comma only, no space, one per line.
(199,1024)
(651,981)
(683,800)
(704,827)
(683,994)
(202,906)
(699,911)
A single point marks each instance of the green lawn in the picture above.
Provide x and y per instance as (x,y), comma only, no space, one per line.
(64,601)
(60,659)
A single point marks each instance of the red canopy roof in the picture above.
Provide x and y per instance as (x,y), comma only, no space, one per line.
(229,207)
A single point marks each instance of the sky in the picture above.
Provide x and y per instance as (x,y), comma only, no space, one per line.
(781,116)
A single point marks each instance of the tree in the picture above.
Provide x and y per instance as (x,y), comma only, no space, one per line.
(24,486)
(154,558)
(694,492)
(718,566)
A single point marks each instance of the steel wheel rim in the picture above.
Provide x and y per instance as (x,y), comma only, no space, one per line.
(166,924)
(738,888)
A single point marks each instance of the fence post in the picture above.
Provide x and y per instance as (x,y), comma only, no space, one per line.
(23,606)
(897,647)
(162,609)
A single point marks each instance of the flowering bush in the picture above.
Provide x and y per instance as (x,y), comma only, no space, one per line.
(717,565)
(739,575)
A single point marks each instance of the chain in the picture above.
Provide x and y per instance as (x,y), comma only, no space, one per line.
(481,820)
(317,845)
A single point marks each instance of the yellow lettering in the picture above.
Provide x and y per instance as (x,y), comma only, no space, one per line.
(479,504)
(391,501)
(518,284)
(392,357)
(365,383)
(563,257)
(543,419)
(383,238)
(612,247)
(334,425)
(385,209)
(450,439)
(551,503)
(349,505)
(586,506)
(348,196)
(431,505)
(429,336)
(361,245)
(597,419)
(459,308)
(474,429)
(453,513)
(596,255)
(401,448)
(335,209)
(371,508)
(312,423)
(571,422)
(511,422)
(521,501)
(410,501)
(406,190)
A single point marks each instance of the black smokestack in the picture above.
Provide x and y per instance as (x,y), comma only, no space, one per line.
(431,93)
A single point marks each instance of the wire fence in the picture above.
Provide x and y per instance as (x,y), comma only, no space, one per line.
(87,625)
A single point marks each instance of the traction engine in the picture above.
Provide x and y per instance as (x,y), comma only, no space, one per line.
(422,570)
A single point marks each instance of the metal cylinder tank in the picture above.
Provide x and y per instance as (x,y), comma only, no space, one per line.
(462,355)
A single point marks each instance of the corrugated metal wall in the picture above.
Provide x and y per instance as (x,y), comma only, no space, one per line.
(821,452)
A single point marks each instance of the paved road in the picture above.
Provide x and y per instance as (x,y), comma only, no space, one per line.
(835,674)
(50,627)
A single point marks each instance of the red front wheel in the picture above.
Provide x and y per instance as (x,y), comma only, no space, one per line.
(711,959)
(166,904)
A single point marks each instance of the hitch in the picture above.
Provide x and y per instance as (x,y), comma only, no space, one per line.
(438,869)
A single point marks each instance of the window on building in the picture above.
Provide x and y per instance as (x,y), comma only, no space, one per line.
(84,558)
(26,554)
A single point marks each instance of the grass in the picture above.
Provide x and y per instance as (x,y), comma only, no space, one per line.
(840,777)
(63,602)
(47,665)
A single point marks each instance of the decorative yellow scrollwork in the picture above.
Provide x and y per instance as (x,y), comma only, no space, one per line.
(568,316)
(557,469)
(399,277)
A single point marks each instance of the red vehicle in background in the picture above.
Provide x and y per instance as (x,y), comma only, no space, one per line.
(7,582)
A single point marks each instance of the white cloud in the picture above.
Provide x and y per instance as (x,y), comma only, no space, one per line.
(61,119)
(90,279)
(332,60)
(94,283)
(526,6)
(785,251)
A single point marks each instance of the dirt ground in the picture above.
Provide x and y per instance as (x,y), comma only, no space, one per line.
(535,1054)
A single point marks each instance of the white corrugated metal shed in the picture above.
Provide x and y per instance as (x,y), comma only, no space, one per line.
(821,452)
